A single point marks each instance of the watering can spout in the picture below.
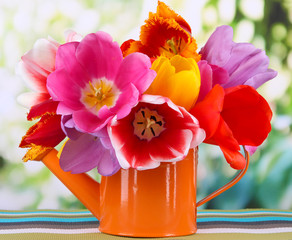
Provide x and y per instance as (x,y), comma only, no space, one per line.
(81,185)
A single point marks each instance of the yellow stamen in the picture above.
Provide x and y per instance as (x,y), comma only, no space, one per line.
(98,93)
(172,46)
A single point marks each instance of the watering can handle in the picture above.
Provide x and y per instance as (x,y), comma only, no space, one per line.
(229,184)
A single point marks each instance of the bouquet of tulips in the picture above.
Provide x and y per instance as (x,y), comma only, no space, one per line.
(147,101)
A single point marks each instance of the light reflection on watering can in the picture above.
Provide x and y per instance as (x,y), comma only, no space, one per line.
(159,202)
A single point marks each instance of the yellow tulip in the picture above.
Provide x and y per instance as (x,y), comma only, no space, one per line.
(178,79)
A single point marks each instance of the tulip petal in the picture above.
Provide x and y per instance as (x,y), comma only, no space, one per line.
(135,69)
(178,79)
(208,111)
(158,30)
(229,146)
(63,109)
(109,166)
(45,107)
(36,153)
(190,83)
(224,137)
(210,76)
(173,146)
(240,53)
(88,122)
(220,75)
(65,87)
(132,46)
(217,50)
(164,71)
(199,134)
(72,36)
(69,128)
(251,149)
(165,12)
(43,54)
(247,114)
(242,69)
(126,101)
(260,78)
(34,77)
(84,154)
(37,64)
(30,99)
(99,55)
(245,64)
(46,132)
(129,151)
(136,155)
(234,158)
(65,57)
(206,79)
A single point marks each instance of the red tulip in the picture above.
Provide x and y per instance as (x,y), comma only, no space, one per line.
(232,117)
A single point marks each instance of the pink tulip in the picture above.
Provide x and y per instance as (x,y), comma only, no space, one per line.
(93,82)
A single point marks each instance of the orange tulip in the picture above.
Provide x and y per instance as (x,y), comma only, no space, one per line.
(164,34)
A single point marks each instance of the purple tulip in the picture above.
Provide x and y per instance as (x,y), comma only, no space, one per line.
(231,64)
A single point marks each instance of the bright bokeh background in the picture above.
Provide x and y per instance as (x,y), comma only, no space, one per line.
(267,24)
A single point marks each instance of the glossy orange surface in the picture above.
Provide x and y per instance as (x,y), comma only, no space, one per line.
(152,203)
(159,202)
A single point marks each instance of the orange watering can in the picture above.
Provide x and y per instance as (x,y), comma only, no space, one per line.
(159,202)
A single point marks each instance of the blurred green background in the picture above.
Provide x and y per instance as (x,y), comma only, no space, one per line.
(266,24)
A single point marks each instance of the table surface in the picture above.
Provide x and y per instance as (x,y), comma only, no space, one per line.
(212,224)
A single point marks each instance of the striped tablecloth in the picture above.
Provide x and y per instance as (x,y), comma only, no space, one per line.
(212,224)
